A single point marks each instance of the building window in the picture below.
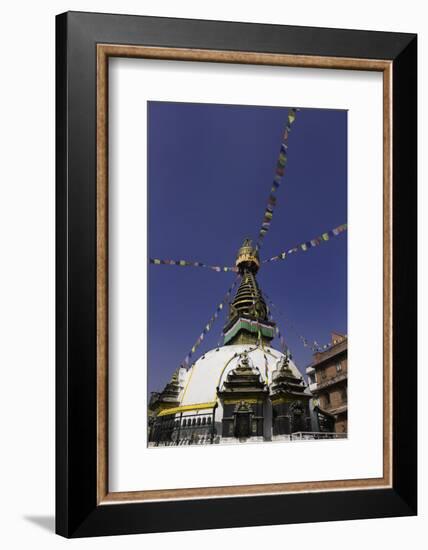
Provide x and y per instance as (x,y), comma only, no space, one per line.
(323,374)
(327,399)
(339,367)
(344,395)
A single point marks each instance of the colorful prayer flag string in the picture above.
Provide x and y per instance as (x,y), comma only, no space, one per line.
(279,174)
(284,348)
(313,345)
(185,263)
(210,323)
(310,244)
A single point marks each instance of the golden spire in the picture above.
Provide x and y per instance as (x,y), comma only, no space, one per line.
(248,300)
(248,321)
(247,257)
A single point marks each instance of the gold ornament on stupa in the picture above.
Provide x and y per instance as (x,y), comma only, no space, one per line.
(248,257)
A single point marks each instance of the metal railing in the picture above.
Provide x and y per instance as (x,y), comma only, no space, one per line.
(191,429)
(306,436)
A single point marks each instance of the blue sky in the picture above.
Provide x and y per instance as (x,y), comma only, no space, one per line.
(210,171)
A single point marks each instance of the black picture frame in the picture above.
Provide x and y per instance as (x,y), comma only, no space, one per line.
(77,512)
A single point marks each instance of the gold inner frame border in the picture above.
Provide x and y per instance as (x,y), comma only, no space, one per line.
(104,52)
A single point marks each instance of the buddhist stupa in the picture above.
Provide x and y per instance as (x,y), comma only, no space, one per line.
(244,391)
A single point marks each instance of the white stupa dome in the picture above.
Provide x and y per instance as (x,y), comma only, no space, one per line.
(200,382)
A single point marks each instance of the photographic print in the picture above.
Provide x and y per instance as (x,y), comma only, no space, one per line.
(247,286)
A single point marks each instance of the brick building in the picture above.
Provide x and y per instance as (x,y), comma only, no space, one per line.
(328,382)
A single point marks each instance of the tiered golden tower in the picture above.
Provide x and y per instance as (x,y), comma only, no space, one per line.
(248,321)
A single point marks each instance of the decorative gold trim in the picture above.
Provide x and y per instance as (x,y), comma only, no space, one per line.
(104,51)
(102,275)
(281,400)
(250,400)
(246,58)
(184,408)
(387,273)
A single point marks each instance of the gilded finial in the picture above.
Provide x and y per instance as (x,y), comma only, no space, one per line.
(247,257)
